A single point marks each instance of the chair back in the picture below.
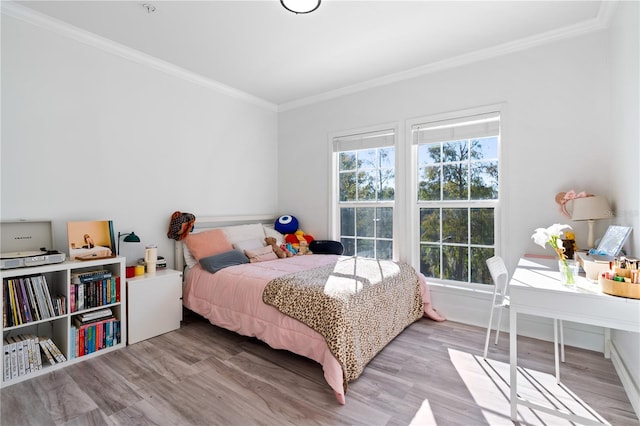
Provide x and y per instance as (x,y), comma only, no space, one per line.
(499,274)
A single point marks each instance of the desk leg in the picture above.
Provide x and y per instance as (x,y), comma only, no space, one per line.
(555,349)
(607,343)
(513,362)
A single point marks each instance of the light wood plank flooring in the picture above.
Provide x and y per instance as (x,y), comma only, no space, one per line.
(432,374)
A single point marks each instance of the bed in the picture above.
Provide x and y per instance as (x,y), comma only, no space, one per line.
(321,306)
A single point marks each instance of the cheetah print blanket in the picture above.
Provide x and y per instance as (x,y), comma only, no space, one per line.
(358,305)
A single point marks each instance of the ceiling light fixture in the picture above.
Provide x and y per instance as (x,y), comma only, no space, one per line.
(300,6)
(150,8)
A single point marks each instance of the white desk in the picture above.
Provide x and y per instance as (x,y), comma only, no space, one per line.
(535,289)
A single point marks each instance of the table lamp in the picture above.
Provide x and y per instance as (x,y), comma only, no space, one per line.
(129,237)
(590,209)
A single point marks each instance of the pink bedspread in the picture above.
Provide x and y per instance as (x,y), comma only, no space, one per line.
(232,298)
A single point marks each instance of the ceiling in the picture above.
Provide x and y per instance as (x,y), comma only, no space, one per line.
(260,49)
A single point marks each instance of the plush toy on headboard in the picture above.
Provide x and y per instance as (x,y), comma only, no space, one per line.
(286,224)
(294,237)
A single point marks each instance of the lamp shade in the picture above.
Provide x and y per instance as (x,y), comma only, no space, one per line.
(300,6)
(129,237)
(590,208)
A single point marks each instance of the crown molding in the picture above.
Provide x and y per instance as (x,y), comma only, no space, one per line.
(599,23)
(33,17)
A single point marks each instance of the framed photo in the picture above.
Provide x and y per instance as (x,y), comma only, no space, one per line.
(91,240)
(613,240)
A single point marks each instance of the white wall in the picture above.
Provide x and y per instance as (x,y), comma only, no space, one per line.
(625,145)
(89,135)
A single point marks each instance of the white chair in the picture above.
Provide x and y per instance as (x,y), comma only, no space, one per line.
(500,301)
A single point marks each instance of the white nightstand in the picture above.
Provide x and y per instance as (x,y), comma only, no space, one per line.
(154,304)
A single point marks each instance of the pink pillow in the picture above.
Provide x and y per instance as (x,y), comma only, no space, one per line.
(207,243)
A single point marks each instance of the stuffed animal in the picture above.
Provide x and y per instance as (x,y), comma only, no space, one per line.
(304,247)
(296,238)
(291,249)
(286,224)
(276,249)
(286,250)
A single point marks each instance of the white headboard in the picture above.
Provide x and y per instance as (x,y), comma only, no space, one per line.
(210,222)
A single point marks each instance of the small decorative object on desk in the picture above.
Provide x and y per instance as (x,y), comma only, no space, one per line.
(552,235)
(623,279)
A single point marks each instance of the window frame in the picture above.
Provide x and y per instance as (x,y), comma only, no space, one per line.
(415,205)
(335,204)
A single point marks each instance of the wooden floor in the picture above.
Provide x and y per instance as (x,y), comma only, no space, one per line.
(432,374)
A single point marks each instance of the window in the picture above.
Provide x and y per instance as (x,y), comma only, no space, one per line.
(365,177)
(457,194)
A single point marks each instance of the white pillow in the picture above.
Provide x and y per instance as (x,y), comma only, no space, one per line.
(188,257)
(251,244)
(270,232)
(238,233)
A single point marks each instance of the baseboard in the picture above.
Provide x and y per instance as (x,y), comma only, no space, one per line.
(629,385)
(472,307)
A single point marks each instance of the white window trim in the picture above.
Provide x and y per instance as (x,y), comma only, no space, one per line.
(413,206)
(398,203)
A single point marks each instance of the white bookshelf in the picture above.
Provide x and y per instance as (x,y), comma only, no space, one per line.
(58,328)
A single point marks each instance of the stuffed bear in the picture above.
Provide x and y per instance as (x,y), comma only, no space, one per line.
(276,249)
(304,247)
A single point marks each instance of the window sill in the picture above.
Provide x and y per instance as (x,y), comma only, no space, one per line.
(482,291)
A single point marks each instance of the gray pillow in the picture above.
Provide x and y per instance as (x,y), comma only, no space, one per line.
(223,260)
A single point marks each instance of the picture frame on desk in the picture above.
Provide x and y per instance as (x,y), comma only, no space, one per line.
(91,240)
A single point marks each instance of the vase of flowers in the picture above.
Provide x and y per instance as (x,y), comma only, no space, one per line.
(553,235)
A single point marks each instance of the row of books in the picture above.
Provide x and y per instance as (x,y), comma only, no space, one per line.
(28,299)
(24,354)
(93,331)
(93,289)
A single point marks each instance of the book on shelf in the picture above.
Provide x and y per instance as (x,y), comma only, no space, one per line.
(5,305)
(29,356)
(73,336)
(53,349)
(6,360)
(32,300)
(21,356)
(26,309)
(45,350)
(98,321)
(59,304)
(47,294)
(36,350)
(95,293)
(36,283)
(98,335)
(84,277)
(89,316)
(28,299)
(14,358)
(15,306)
